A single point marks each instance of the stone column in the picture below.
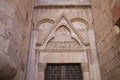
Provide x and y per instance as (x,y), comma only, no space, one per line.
(41,71)
(94,65)
(32,56)
(85,70)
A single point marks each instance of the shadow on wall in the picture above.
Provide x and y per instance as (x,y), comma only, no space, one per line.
(8,68)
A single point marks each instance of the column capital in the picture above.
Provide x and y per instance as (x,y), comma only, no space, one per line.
(42,67)
(85,67)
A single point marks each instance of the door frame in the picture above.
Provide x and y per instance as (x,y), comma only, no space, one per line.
(91,69)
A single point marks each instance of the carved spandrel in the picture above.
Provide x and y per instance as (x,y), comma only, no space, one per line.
(82,28)
(43,30)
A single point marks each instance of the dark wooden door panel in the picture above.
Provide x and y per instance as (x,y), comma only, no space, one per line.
(63,72)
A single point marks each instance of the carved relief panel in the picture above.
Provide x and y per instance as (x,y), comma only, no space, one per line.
(63,40)
(62,34)
(82,27)
(44,27)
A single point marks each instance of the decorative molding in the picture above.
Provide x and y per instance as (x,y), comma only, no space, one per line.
(61,50)
(63,45)
(63,21)
(43,21)
(81,20)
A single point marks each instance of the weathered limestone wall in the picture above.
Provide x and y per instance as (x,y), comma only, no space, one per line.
(107,45)
(15,28)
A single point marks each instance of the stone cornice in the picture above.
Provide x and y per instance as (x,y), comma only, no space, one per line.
(61,50)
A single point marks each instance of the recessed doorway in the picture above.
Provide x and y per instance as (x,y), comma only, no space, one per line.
(63,72)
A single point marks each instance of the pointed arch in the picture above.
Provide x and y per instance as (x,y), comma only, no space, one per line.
(62,39)
(73,32)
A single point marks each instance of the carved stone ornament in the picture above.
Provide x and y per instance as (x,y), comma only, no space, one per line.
(63,45)
(63,36)
(63,40)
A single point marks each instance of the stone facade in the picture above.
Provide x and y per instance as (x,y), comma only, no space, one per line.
(36,32)
(63,33)
(108,46)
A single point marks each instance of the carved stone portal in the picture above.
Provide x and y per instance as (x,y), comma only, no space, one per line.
(63,41)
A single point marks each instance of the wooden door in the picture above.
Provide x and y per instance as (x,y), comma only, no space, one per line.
(63,72)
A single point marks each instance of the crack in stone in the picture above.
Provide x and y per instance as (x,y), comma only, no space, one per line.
(6,35)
